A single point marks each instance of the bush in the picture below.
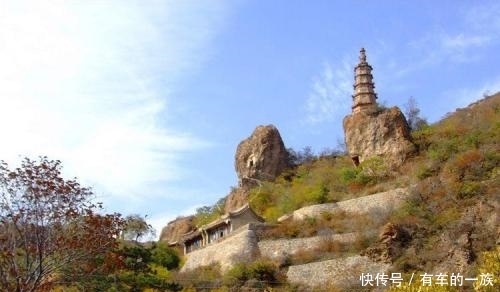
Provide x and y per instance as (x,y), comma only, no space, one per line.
(260,270)
(489,263)
(263,270)
(165,256)
(469,189)
(237,275)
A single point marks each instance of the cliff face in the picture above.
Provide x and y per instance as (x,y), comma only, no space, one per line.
(176,228)
(260,157)
(385,133)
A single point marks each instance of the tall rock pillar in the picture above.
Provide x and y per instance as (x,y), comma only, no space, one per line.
(370,131)
(260,157)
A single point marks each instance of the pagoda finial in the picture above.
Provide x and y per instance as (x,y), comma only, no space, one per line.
(362,55)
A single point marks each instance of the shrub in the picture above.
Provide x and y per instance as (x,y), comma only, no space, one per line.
(424,172)
(469,189)
(263,270)
(489,263)
(206,276)
(260,270)
(349,174)
(237,275)
(165,256)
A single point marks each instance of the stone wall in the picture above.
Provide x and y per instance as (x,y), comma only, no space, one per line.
(342,273)
(380,204)
(243,245)
(240,246)
(280,248)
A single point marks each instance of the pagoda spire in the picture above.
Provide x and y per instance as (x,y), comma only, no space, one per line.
(364,89)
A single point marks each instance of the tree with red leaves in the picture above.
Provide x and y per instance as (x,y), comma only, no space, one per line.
(50,228)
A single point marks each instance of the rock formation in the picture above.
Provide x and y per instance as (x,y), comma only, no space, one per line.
(260,157)
(236,198)
(385,134)
(370,131)
(176,228)
(392,240)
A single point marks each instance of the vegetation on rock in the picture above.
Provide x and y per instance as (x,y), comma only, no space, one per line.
(450,217)
(54,237)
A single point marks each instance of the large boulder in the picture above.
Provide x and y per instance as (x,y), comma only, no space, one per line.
(383,133)
(176,228)
(260,157)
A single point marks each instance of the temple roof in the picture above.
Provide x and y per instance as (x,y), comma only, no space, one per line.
(224,219)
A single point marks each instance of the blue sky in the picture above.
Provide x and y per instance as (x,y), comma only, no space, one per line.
(146,101)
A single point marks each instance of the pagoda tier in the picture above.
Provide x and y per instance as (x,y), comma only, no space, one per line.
(364,94)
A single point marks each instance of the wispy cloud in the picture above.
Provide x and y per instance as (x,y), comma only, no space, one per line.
(91,83)
(462,41)
(478,29)
(330,94)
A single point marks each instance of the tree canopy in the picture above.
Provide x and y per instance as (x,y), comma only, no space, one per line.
(50,227)
(136,228)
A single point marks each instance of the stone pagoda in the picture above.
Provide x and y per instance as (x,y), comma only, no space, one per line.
(370,131)
(364,94)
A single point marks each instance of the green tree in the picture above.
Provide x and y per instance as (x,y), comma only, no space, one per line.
(49,227)
(206,214)
(165,256)
(138,274)
(136,228)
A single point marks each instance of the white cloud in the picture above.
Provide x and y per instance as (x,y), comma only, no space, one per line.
(462,41)
(330,94)
(466,41)
(90,83)
(463,47)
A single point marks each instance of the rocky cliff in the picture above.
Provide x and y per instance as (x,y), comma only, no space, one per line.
(260,157)
(176,228)
(384,133)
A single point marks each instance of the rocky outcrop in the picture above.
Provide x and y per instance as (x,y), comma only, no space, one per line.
(477,223)
(392,239)
(237,198)
(384,133)
(260,157)
(176,228)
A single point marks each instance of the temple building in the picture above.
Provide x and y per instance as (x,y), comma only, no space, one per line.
(364,94)
(219,229)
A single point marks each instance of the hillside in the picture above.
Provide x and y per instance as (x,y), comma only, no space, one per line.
(448,220)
